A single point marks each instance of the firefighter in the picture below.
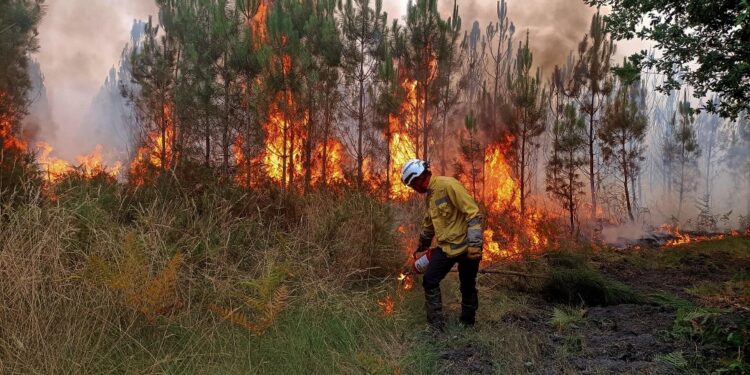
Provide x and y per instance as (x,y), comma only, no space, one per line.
(453,217)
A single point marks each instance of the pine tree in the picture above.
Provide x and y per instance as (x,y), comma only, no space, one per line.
(500,41)
(154,69)
(708,129)
(568,157)
(18,39)
(622,134)
(361,32)
(686,152)
(417,50)
(388,103)
(526,120)
(322,48)
(562,90)
(449,59)
(472,155)
(283,81)
(595,53)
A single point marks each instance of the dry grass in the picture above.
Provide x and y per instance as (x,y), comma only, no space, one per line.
(103,280)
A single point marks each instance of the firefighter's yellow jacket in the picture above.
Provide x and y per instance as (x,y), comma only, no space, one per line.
(452,216)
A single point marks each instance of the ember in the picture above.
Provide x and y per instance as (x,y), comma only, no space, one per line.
(387,304)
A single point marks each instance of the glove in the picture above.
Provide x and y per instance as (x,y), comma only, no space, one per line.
(424,244)
(474,253)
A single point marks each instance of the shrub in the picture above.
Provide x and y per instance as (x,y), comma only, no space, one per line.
(581,285)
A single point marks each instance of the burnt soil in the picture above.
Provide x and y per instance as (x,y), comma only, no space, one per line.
(617,339)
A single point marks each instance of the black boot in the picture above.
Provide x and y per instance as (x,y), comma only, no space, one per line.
(433,305)
(469,305)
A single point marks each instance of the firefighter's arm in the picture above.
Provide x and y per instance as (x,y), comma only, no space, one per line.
(463,201)
(426,234)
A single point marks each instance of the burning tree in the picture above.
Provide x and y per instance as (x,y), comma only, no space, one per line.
(363,32)
(154,69)
(417,50)
(525,117)
(18,38)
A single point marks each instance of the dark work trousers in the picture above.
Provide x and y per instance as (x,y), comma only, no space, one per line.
(439,266)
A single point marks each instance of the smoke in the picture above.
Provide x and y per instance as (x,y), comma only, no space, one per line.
(80,41)
(555,27)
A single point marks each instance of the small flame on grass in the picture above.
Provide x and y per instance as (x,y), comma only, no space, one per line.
(406,281)
(387,304)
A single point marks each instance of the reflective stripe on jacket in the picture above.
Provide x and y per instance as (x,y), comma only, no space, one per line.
(452,216)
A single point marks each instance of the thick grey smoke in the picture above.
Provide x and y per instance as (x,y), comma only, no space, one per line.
(80,41)
(555,27)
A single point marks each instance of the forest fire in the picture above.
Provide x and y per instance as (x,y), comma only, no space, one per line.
(157,150)
(401,145)
(88,166)
(9,141)
(498,189)
(331,153)
(679,237)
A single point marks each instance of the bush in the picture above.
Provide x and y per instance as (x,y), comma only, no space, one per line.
(354,234)
(585,286)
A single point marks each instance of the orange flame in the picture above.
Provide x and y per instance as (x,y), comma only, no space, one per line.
(88,165)
(157,151)
(681,238)
(334,155)
(406,281)
(387,304)
(9,141)
(499,190)
(401,145)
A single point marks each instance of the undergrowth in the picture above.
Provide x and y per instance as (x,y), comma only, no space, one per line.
(97,277)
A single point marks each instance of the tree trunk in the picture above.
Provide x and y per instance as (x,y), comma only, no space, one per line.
(625,173)
(163,151)
(571,192)
(326,129)
(592,177)
(207,135)
(225,144)
(285,137)
(523,171)
(361,114)
(425,127)
(307,158)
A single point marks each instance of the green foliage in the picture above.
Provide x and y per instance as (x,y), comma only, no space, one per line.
(713,329)
(705,41)
(573,281)
(675,359)
(562,172)
(576,286)
(565,317)
(18,39)
(623,133)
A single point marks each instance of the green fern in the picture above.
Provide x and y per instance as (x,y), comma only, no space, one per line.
(674,359)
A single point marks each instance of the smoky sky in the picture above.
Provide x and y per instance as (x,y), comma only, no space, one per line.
(80,40)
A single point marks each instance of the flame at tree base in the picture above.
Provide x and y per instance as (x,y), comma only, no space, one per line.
(88,166)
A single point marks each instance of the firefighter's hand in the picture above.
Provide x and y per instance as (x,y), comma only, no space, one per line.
(474,253)
(420,249)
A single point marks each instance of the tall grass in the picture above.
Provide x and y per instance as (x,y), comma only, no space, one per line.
(103,279)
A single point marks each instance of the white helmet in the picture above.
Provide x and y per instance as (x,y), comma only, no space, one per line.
(413,169)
